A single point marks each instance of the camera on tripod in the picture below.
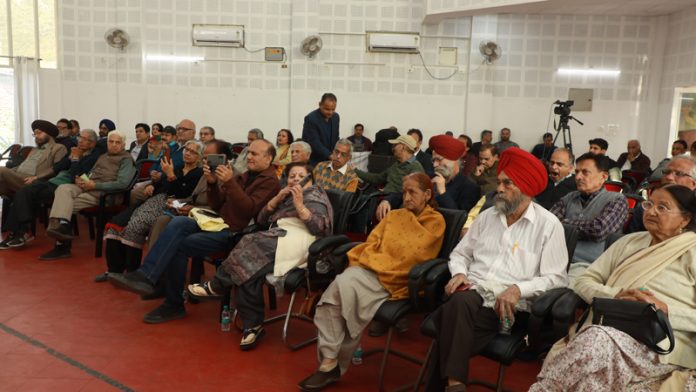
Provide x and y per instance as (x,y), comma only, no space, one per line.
(563,108)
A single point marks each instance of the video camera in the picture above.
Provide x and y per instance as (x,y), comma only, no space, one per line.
(563,108)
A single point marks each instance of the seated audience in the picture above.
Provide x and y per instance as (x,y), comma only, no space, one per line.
(106,126)
(206,134)
(469,160)
(679,170)
(300,151)
(391,179)
(156,129)
(634,159)
(504,143)
(692,150)
(425,159)
(485,173)
(359,140)
(593,210)
(377,272)
(27,201)
(75,130)
(599,146)
(39,163)
(337,173)
(65,136)
(241,161)
(138,147)
(452,188)
(112,170)
(126,233)
(561,178)
(486,139)
(185,131)
(298,216)
(513,253)
(544,150)
(283,142)
(679,147)
(657,267)
(235,198)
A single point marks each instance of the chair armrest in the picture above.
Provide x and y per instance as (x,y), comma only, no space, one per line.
(325,243)
(564,308)
(417,282)
(543,304)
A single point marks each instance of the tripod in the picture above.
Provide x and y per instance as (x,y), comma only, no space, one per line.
(564,127)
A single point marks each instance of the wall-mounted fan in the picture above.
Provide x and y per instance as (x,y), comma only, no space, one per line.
(117,38)
(311,45)
(490,51)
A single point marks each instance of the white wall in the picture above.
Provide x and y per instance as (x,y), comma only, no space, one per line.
(95,81)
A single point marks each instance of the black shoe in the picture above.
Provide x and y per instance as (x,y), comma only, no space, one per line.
(159,292)
(101,278)
(133,281)
(320,380)
(62,233)
(56,253)
(164,313)
(5,244)
(20,240)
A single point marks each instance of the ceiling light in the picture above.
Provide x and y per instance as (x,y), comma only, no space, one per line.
(589,71)
(174,59)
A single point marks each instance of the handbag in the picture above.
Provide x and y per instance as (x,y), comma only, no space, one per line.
(207,220)
(642,321)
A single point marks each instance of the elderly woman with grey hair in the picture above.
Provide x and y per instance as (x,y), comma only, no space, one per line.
(126,233)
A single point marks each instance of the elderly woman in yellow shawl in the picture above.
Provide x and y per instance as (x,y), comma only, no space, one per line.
(378,271)
(657,266)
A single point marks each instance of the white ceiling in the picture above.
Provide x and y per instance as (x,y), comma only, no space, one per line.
(576,7)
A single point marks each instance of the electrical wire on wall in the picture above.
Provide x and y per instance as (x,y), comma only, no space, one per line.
(431,74)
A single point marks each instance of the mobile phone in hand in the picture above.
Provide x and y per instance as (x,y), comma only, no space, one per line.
(214,160)
(305,181)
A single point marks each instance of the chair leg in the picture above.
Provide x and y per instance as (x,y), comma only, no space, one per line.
(90,225)
(498,386)
(290,314)
(385,357)
(501,376)
(424,367)
(75,226)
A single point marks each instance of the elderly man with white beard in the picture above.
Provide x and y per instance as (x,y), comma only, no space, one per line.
(452,189)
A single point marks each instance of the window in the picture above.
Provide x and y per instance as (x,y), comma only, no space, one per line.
(28,28)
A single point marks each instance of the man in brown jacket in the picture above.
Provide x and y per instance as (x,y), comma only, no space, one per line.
(237,199)
(39,163)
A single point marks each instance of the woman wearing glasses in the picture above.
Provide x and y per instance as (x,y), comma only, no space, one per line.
(658,267)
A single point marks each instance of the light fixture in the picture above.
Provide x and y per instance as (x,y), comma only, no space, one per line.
(589,71)
(174,59)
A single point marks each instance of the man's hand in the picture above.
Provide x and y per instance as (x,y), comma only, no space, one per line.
(456,281)
(383,209)
(224,173)
(149,190)
(85,185)
(439,182)
(645,295)
(479,170)
(75,153)
(184,211)
(506,302)
(209,176)
(29,180)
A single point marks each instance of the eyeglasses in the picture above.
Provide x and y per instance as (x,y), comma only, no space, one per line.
(676,173)
(660,208)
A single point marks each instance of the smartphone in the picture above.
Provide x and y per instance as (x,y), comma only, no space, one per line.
(305,181)
(167,152)
(214,160)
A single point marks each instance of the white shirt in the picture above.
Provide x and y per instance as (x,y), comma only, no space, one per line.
(530,254)
(342,170)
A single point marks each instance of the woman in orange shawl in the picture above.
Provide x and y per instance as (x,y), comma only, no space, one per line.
(378,271)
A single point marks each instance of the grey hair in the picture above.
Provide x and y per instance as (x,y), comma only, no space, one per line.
(257,132)
(305,146)
(571,157)
(198,146)
(345,142)
(118,134)
(692,160)
(93,137)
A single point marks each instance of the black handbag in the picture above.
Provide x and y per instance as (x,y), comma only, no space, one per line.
(642,321)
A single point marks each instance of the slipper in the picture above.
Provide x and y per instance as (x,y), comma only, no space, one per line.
(251,338)
(203,291)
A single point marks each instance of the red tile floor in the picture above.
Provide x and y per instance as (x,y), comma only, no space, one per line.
(60,331)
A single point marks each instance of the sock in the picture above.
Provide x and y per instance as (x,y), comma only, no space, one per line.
(64,221)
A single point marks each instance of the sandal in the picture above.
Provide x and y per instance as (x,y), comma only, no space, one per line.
(203,291)
(251,337)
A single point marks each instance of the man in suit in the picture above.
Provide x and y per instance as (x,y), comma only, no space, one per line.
(425,159)
(561,179)
(634,159)
(321,127)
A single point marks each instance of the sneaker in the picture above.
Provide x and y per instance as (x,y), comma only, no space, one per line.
(4,244)
(164,313)
(62,233)
(56,253)
(20,241)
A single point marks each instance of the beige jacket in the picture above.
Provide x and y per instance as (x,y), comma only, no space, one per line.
(44,168)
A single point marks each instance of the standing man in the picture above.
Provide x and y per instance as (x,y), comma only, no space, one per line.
(421,156)
(634,159)
(504,143)
(138,148)
(544,150)
(561,179)
(360,142)
(321,128)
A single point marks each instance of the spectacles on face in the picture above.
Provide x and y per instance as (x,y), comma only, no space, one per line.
(659,208)
(676,173)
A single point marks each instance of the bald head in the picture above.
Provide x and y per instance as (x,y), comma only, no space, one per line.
(633,147)
(185,131)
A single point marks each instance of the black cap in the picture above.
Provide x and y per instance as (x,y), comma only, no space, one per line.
(47,127)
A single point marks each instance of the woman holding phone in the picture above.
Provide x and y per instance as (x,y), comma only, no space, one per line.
(298,215)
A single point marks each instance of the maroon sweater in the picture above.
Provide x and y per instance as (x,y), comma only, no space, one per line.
(240,199)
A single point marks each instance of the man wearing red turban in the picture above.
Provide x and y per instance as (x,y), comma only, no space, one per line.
(453,189)
(511,254)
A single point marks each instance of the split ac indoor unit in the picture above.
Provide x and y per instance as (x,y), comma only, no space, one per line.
(218,35)
(378,41)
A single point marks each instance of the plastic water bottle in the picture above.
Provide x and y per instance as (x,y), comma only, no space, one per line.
(226,319)
(357,356)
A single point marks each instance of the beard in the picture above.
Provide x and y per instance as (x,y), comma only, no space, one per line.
(507,207)
(445,171)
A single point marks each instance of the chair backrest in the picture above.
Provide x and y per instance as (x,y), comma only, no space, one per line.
(341,202)
(144,166)
(571,239)
(11,151)
(378,163)
(615,186)
(454,221)
(17,159)
(633,200)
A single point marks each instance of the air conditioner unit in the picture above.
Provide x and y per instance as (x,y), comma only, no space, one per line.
(218,35)
(378,41)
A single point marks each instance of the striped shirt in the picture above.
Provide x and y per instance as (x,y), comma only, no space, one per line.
(531,253)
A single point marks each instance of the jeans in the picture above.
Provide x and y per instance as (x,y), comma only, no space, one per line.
(181,239)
